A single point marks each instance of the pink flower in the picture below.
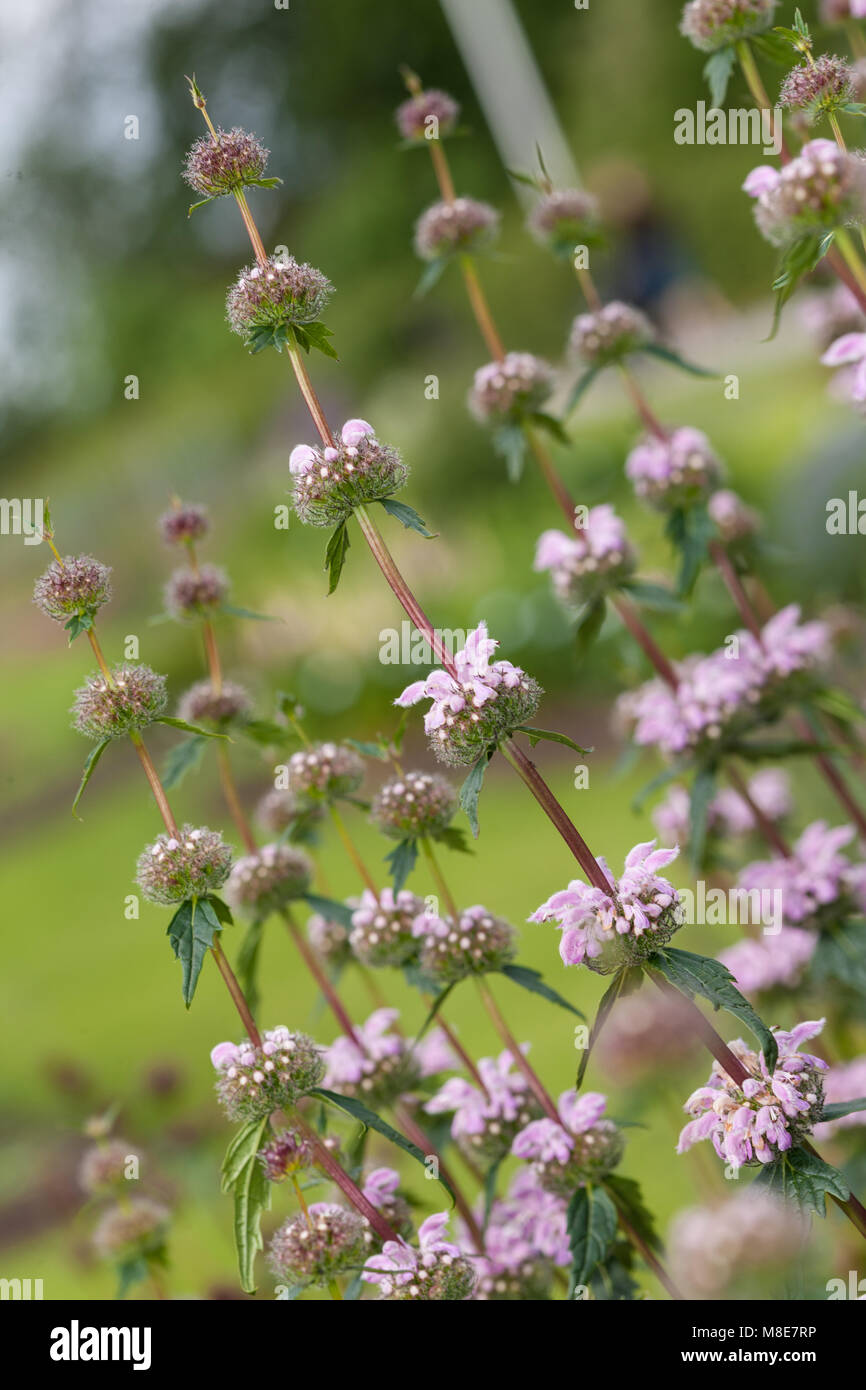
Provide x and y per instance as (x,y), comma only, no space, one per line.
(845,351)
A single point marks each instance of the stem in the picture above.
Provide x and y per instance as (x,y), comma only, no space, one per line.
(413,1131)
(757,88)
(535,1084)
(237,994)
(640,1244)
(300,1196)
(253,231)
(156,786)
(328,1163)
(849,254)
(551,476)
(315,968)
(527,770)
(442,171)
(770,832)
(349,847)
(230,792)
(213,656)
(309,395)
(438,877)
(400,588)
(481,309)
(641,634)
(641,404)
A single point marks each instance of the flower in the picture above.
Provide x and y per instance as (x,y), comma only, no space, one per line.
(709,1247)
(226,164)
(103,1166)
(525,1236)
(380,1188)
(463,225)
(192,864)
(609,334)
(596,559)
(75,588)
(734,520)
(326,770)
(728,813)
(329,939)
(262,882)
(132,1231)
(843,1083)
(414,805)
(824,187)
(203,704)
(255,1081)
(819,87)
(378,1064)
(763,963)
(477,943)
(623,926)
(109,707)
(477,706)
(184,523)
(818,884)
(281,808)
(382,930)
(316,1248)
(508,389)
(850,351)
(330,482)
(287,1152)
(713,24)
(771,1111)
(280,293)
(428,115)
(563,219)
(486,1121)
(678,471)
(830,313)
(196,592)
(583,1147)
(436,1270)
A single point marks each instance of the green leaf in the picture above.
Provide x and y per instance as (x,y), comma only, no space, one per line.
(839,705)
(627,1195)
(314,335)
(625,981)
(536,735)
(244,1177)
(78,623)
(841,955)
(401,860)
(590,620)
(471,790)
(183,758)
(774,750)
(801,1177)
(434,1009)
(696,975)
(369,750)
(407,515)
(717,73)
(335,555)
(370,1120)
(132,1271)
(550,424)
(431,275)
(666,354)
(702,792)
(652,596)
(591,1222)
(690,532)
(773,47)
(332,909)
(200,204)
(266,732)
(453,837)
(262,183)
(509,442)
(90,764)
(796,261)
(191,932)
(221,910)
(581,387)
(232,611)
(531,980)
(188,728)
(836,1110)
(490,1179)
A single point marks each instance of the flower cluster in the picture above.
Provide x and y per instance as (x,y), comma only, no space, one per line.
(316,1246)
(288,1152)
(437,1270)
(713,24)
(818,88)
(326,770)
(215,167)
(526,1236)
(191,864)
(711,1247)
(849,353)
(676,472)
(382,930)
(583,1147)
(596,559)
(330,482)
(760,964)
(818,884)
(414,805)
(204,704)
(755,1122)
(428,115)
(734,521)
(609,334)
(730,690)
(281,808)
(110,706)
(329,939)
(380,1187)
(728,813)
(255,1081)
(186,523)
(487,1121)
(478,705)
(464,226)
(103,1166)
(506,390)
(276,295)
(196,592)
(623,926)
(263,882)
(378,1064)
(824,187)
(135,1230)
(75,588)
(563,219)
(478,942)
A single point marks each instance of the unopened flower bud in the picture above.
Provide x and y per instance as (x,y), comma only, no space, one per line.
(193,864)
(74,589)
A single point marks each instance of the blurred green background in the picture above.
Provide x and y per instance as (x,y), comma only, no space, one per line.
(105,277)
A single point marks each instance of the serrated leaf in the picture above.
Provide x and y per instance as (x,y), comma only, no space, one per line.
(717,73)
(78,623)
(191,932)
(452,837)
(695,975)
(188,728)
(548,736)
(370,1120)
(628,1197)
(532,981)
(89,766)
(335,555)
(591,1222)
(244,1177)
(802,1177)
(183,758)
(796,261)
(401,860)
(471,790)
(314,335)
(407,515)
